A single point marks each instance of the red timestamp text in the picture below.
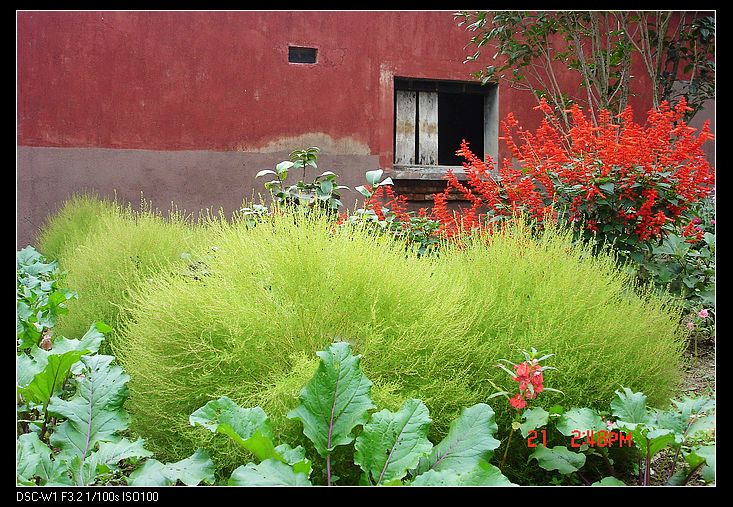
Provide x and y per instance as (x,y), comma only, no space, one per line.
(601,438)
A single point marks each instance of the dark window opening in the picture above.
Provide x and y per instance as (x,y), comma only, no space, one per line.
(301,55)
(460,116)
(433,117)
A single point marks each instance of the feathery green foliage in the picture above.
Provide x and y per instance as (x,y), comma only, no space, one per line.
(428,328)
(70,226)
(122,248)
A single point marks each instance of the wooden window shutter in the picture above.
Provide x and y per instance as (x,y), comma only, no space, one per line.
(428,125)
(405,127)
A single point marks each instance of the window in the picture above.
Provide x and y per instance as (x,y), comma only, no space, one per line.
(432,117)
(301,55)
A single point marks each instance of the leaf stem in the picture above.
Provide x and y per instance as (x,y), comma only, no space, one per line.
(328,469)
(604,455)
(692,472)
(506,451)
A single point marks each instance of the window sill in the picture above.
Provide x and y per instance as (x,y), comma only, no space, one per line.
(425,172)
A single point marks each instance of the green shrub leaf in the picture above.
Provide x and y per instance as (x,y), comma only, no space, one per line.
(114,452)
(533,418)
(580,419)
(335,400)
(29,452)
(95,413)
(707,453)
(470,439)
(49,381)
(34,460)
(609,481)
(265,172)
(191,471)
(296,458)
(483,474)
(249,427)
(270,472)
(630,408)
(558,458)
(50,368)
(392,443)
(372,177)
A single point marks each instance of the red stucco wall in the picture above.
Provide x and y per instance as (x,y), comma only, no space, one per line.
(221,80)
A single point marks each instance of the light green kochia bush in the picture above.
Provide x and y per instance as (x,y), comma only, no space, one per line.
(121,249)
(77,218)
(429,328)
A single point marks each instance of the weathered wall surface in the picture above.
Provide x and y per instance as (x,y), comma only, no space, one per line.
(188,106)
(193,180)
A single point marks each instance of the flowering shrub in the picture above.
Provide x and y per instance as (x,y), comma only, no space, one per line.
(625,182)
(387,211)
(528,374)
(322,192)
(585,444)
(684,262)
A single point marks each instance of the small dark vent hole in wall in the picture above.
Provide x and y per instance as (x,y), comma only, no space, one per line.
(301,55)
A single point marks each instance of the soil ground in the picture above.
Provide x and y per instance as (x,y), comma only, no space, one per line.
(699,379)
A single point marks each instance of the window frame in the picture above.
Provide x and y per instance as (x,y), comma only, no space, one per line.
(490,93)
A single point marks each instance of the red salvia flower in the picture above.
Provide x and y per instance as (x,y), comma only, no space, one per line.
(593,171)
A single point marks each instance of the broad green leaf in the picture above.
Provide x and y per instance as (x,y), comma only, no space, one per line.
(34,460)
(27,256)
(707,452)
(296,458)
(372,177)
(335,400)
(84,472)
(558,458)
(653,440)
(629,408)
(470,439)
(40,268)
(265,172)
(690,406)
(249,427)
(678,477)
(387,181)
(392,443)
(114,452)
(363,191)
(150,474)
(483,474)
(95,413)
(702,424)
(283,167)
(326,187)
(50,368)
(579,419)
(703,455)
(533,418)
(191,471)
(90,342)
(29,450)
(607,188)
(609,481)
(671,420)
(270,472)
(28,366)
(51,379)
(709,238)
(23,481)
(23,311)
